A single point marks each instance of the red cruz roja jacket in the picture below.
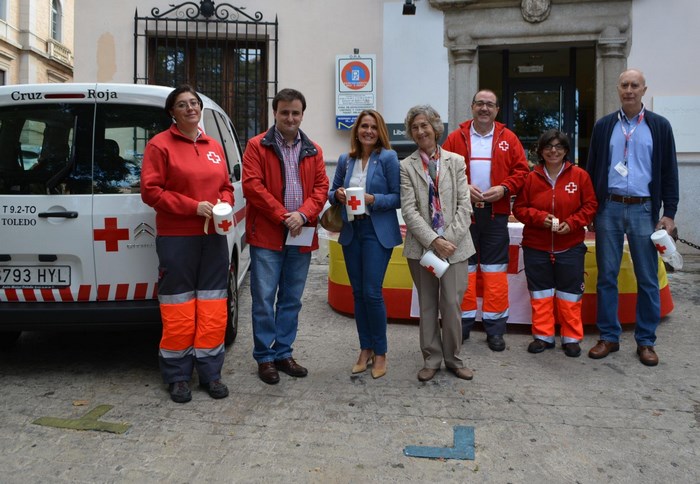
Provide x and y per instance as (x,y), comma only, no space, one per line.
(264,185)
(571,200)
(177,173)
(508,161)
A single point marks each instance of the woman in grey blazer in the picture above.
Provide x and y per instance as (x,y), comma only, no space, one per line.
(436,208)
(369,239)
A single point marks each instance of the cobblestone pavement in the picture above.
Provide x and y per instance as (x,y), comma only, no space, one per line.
(537,418)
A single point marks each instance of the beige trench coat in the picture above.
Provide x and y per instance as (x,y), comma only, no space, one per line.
(454,197)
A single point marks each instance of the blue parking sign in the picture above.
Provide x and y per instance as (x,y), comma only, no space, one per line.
(344,122)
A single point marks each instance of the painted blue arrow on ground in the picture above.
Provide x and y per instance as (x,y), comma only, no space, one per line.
(463,447)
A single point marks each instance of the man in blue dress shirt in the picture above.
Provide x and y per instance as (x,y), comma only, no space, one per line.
(632,163)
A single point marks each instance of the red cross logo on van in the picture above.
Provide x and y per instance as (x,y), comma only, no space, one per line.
(504,145)
(571,188)
(111,234)
(213,157)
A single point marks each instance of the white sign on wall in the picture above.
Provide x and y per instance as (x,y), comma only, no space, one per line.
(683,112)
(355,87)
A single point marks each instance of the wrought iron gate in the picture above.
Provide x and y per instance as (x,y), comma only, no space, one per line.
(219,49)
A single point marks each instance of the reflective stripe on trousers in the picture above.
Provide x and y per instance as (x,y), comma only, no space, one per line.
(550,306)
(542,303)
(495,277)
(469,299)
(494,310)
(555,282)
(569,316)
(489,233)
(189,322)
(193,303)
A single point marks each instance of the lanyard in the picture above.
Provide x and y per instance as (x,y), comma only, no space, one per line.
(628,135)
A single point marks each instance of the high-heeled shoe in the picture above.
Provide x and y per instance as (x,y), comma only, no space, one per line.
(362,366)
(378,372)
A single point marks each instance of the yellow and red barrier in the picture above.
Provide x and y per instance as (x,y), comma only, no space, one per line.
(397,287)
(627,289)
(399,294)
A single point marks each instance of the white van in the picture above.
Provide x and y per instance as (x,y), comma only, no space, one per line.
(77,244)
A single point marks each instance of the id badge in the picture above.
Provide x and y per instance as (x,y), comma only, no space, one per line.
(621,169)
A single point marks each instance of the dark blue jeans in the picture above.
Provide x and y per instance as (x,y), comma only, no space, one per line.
(366,261)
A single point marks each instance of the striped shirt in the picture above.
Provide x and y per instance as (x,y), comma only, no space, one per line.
(293,193)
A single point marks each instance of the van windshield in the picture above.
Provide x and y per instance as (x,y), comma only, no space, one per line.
(65,148)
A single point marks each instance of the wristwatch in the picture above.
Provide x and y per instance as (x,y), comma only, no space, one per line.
(506,191)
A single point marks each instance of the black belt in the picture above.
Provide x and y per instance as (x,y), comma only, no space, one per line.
(482,204)
(361,217)
(628,200)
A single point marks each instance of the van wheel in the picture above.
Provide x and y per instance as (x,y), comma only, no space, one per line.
(8,339)
(232,308)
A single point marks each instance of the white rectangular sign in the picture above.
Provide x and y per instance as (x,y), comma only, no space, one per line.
(355,87)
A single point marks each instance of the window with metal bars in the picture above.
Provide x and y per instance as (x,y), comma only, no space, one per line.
(223,52)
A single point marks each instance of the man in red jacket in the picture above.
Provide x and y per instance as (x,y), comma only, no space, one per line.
(286,186)
(496,170)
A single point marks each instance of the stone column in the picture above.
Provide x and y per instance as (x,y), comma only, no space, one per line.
(464,79)
(612,60)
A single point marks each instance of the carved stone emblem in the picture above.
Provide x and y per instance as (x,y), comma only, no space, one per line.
(535,11)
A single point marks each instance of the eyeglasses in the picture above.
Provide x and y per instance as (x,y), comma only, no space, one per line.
(192,103)
(554,147)
(488,104)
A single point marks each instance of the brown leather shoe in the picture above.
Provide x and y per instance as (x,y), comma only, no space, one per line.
(463,373)
(603,349)
(647,355)
(426,374)
(291,367)
(268,373)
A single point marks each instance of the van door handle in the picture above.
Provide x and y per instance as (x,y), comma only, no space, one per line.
(58,214)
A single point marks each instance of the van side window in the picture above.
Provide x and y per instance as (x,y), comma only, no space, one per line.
(39,152)
(231,145)
(121,134)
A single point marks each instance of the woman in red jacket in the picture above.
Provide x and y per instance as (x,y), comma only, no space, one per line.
(555,205)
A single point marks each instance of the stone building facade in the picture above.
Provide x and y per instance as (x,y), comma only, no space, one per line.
(553,63)
(36,41)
